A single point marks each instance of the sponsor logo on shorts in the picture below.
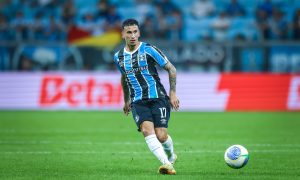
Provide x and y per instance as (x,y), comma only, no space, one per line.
(137,118)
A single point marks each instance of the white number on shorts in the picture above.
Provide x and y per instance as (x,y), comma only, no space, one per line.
(163,112)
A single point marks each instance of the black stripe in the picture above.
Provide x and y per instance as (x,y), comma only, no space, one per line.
(151,65)
(160,89)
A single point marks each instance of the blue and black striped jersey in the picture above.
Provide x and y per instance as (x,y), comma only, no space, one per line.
(140,71)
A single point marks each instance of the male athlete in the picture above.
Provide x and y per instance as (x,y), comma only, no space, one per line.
(144,94)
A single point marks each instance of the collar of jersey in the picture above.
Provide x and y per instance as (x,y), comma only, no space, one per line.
(134,50)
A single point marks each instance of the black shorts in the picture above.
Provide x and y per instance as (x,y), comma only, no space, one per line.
(156,110)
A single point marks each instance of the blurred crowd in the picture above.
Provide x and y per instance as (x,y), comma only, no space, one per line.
(52,20)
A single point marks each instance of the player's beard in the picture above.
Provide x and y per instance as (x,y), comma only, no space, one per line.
(132,43)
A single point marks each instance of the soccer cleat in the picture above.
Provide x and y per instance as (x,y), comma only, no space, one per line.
(167,169)
(173,158)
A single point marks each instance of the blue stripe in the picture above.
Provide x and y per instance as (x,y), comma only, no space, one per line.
(160,58)
(132,79)
(145,73)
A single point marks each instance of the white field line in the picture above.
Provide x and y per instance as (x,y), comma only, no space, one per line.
(129,143)
(142,152)
(12,142)
(16,131)
(89,130)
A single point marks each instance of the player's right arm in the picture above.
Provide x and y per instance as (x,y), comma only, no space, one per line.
(127,101)
(126,107)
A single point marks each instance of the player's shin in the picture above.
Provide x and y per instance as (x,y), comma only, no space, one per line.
(157,149)
(169,149)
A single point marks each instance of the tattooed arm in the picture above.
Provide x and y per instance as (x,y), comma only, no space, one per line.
(172,80)
(126,107)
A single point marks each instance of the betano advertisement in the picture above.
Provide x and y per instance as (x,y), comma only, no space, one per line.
(103,91)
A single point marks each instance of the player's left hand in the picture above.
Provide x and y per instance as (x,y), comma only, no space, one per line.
(126,108)
(174,101)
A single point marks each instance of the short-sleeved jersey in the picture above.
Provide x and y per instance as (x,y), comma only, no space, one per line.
(140,71)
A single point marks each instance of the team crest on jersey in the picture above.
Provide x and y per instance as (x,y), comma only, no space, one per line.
(133,60)
(142,57)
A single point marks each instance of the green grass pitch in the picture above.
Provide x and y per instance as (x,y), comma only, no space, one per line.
(106,145)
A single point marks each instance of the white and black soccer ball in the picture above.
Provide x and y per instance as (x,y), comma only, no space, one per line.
(236,156)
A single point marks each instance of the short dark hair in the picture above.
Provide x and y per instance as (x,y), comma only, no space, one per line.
(130,22)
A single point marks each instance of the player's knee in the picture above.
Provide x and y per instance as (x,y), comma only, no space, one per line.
(147,129)
(162,136)
(146,132)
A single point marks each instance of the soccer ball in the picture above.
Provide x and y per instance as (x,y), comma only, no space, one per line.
(236,156)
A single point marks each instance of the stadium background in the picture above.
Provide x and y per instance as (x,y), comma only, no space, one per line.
(238,65)
(50,43)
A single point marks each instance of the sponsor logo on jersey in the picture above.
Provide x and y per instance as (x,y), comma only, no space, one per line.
(135,70)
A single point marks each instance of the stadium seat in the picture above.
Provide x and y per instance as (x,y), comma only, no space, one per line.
(197,29)
(183,4)
(128,12)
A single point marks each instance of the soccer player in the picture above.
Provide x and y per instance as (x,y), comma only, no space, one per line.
(145,96)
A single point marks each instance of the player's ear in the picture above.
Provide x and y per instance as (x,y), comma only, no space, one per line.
(139,33)
(123,34)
